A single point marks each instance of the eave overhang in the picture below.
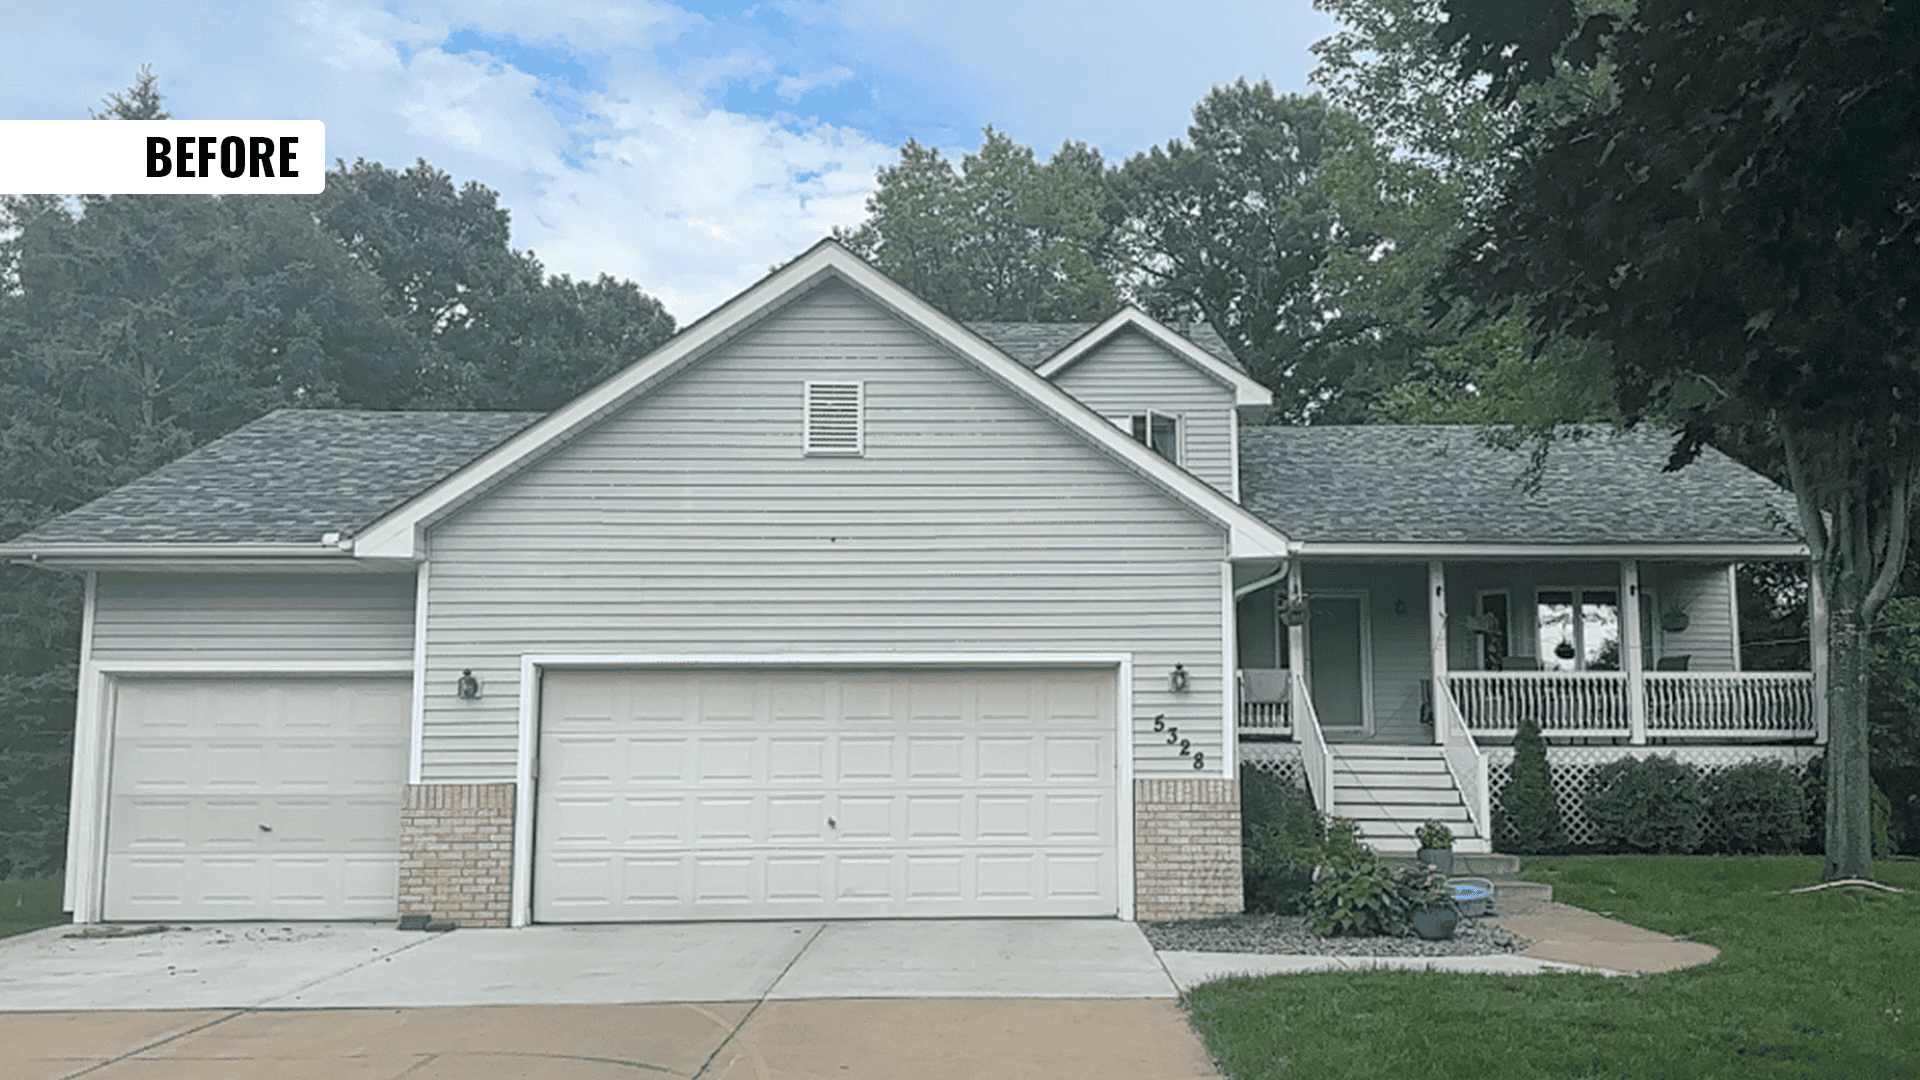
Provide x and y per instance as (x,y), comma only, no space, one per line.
(1309,549)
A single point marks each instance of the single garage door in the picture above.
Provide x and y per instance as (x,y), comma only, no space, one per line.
(755,794)
(238,798)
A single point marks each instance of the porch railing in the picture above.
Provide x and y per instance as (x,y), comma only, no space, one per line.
(1466,762)
(1679,705)
(1730,704)
(1585,703)
(1314,754)
(1265,708)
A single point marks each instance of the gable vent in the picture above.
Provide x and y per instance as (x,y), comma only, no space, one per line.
(835,423)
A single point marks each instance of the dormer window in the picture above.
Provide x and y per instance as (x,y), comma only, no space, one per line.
(1160,432)
(835,421)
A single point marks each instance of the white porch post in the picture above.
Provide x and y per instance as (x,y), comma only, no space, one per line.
(1296,634)
(1817,651)
(1437,637)
(1630,652)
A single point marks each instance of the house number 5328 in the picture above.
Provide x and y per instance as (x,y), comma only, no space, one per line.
(1174,739)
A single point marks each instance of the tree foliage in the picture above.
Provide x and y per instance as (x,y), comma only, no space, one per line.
(1741,229)
(1004,237)
(1234,227)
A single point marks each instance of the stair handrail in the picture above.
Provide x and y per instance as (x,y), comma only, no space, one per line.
(1314,755)
(1465,762)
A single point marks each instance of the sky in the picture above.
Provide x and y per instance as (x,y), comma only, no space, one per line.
(688,147)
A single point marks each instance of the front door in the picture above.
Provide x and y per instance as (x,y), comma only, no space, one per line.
(1336,648)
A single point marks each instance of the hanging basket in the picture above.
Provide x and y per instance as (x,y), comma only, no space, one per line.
(1674,620)
(1564,650)
(1294,611)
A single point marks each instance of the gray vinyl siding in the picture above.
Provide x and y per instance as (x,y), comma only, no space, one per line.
(1131,373)
(253,621)
(1399,641)
(1703,592)
(690,523)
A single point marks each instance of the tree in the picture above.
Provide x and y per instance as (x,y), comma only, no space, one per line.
(1741,229)
(491,329)
(1005,237)
(141,101)
(1234,228)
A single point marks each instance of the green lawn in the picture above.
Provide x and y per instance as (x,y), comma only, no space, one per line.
(1820,984)
(29,904)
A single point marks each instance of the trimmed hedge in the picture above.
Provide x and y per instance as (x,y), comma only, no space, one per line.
(1650,805)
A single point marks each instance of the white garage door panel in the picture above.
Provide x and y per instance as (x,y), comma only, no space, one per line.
(256,798)
(753,794)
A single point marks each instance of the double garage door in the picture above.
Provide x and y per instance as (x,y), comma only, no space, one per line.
(755,793)
(235,798)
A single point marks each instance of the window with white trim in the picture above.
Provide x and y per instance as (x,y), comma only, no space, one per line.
(835,420)
(1579,629)
(1159,431)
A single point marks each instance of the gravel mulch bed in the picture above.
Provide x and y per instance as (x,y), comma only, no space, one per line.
(1293,934)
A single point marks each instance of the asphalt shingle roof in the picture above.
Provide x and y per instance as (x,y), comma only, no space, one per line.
(289,477)
(1444,484)
(1033,343)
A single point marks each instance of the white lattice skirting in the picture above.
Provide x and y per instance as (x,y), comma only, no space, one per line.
(1278,759)
(1569,768)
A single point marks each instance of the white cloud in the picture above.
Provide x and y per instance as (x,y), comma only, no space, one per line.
(646,180)
(793,87)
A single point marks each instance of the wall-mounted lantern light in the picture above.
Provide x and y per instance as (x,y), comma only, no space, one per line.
(468,687)
(1177,680)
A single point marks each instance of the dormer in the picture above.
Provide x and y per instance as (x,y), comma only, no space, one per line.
(1158,385)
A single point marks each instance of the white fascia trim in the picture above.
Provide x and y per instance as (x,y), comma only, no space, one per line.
(84,856)
(1422,552)
(35,553)
(417,722)
(257,669)
(1123,701)
(1229,674)
(396,536)
(1246,392)
(532,667)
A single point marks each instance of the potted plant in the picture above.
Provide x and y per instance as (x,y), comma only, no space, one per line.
(1436,845)
(1430,910)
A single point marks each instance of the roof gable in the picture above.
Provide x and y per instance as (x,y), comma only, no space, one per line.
(1246,392)
(397,535)
(1443,485)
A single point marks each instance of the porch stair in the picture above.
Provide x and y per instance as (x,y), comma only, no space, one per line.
(1388,790)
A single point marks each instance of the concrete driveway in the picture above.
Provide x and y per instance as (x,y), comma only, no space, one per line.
(334,965)
(1000,998)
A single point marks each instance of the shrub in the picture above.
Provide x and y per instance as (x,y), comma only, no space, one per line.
(1358,895)
(1532,817)
(1756,809)
(1646,805)
(1282,837)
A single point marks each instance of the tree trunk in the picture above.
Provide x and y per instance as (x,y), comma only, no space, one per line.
(1849,841)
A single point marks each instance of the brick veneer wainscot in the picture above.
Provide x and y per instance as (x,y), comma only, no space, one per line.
(456,853)
(1186,848)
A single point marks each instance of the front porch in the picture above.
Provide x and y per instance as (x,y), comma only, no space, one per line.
(1426,666)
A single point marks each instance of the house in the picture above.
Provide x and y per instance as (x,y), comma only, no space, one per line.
(830,607)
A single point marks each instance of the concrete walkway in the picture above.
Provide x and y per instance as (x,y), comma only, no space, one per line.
(1572,936)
